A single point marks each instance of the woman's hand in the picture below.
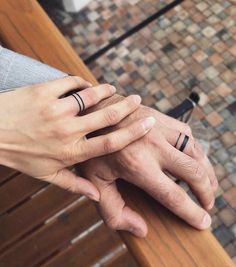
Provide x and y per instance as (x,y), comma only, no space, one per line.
(41,134)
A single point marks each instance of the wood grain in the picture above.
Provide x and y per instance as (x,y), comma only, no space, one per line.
(89,250)
(18,189)
(170,242)
(6,173)
(25,28)
(121,259)
(51,237)
(33,213)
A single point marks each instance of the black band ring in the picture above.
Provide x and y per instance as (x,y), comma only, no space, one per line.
(80,101)
(183,145)
(177,140)
(83,105)
(80,108)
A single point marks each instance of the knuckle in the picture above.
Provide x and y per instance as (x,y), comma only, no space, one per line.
(109,145)
(61,132)
(113,222)
(132,158)
(171,198)
(199,173)
(50,112)
(198,150)
(111,116)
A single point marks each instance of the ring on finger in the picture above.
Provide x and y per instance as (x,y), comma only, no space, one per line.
(183,144)
(80,101)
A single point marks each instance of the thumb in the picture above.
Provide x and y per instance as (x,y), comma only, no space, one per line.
(116,214)
(68,180)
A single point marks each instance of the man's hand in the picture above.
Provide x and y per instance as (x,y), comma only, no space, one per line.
(146,163)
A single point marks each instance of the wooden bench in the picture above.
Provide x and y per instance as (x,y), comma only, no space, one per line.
(41,225)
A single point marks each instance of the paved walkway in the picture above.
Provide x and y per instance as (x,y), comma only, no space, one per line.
(192,47)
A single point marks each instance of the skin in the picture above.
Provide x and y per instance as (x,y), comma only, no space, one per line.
(41,134)
(146,163)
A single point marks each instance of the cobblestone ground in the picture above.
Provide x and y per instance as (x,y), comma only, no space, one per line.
(192,47)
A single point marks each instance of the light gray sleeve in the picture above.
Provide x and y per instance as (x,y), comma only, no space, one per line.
(17,71)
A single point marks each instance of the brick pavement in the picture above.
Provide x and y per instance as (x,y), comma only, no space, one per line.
(192,47)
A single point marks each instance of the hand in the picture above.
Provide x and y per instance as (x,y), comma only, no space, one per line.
(41,134)
(145,164)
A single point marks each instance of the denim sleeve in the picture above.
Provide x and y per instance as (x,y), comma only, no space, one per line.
(17,71)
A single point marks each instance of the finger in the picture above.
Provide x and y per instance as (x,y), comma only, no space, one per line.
(116,214)
(63,85)
(87,97)
(194,150)
(108,116)
(211,173)
(192,172)
(73,183)
(173,197)
(117,140)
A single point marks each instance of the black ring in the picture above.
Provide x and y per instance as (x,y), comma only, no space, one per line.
(177,141)
(182,147)
(80,109)
(81,101)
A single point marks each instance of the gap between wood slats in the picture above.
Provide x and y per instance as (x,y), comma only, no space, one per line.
(6,174)
(17,190)
(122,259)
(47,204)
(51,237)
(94,247)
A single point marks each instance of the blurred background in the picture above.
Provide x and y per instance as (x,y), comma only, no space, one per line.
(188,46)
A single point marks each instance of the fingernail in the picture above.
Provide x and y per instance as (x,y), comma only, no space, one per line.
(206,222)
(136,98)
(210,206)
(148,123)
(93,197)
(89,84)
(112,89)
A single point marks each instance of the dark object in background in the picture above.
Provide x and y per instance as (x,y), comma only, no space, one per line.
(185,107)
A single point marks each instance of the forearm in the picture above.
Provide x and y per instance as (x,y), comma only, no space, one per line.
(17,71)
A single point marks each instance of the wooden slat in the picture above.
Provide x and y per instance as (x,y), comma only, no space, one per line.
(88,250)
(53,236)
(28,30)
(32,213)
(170,242)
(121,259)
(18,189)
(6,173)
